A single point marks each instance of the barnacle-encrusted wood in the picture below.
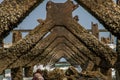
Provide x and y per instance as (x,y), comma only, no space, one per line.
(95,30)
(73,38)
(84,53)
(55,57)
(16,73)
(60,12)
(91,42)
(28,71)
(17,35)
(24,45)
(117,66)
(70,53)
(42,49)
(13,12)
(107,12)
(1,41)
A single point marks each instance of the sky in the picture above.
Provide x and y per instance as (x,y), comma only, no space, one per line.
(30,22)
(1,1)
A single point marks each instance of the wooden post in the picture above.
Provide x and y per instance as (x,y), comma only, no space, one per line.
(95,30)
(17,35)
(1,42)
(118,2)
(90,66)
(17,73)
(2,46)
(117,67)
(107,73)
(28,71)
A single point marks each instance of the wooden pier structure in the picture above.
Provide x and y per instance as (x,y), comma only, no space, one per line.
(66,38)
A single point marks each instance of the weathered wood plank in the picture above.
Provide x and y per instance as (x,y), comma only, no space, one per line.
(12,12)
(56,50)
(117,65)
(107,12)
(68,51)
(95,30)
(91,42)
(28,71)
(28,30)
(24,45)
(53,59)
(71,46)
(39,48)
(47,53)
(17,73)
(82,49)
(45,42)
(16,36)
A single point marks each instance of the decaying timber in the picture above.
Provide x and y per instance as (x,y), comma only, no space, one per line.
(98,74)
(74,41)
(95,30)
(17,35)
(72,74)
(49,54)
(107,12)
(13,12)
(28,71)
(67,38)
(94,7)
(105,40)
(92,42)
(1,42)
(56,74)
(69,53)
(16,73)
(42,45)
(24,45)
(74,23)
(117,66)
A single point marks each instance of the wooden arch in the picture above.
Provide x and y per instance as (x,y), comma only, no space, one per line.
(31,43)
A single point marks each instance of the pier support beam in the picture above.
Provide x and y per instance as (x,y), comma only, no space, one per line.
(17,73)
(95,30)
(118,60)
(28,71)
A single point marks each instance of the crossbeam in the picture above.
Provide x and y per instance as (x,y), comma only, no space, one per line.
(28,30)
